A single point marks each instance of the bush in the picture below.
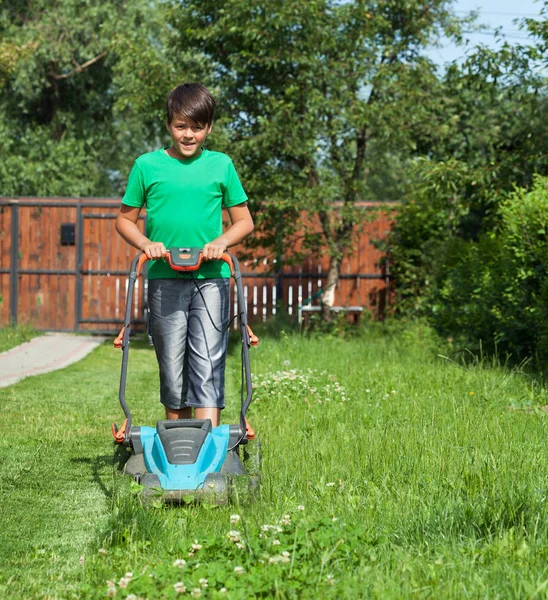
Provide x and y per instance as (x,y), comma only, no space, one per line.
(495,290)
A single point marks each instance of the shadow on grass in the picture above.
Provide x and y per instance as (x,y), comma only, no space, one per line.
(99,465)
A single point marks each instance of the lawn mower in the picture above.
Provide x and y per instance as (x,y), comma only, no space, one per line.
(188,459)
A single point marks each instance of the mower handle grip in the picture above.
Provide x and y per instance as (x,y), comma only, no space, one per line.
(225,257)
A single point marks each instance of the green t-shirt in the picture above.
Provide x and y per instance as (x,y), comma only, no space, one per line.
(184,201)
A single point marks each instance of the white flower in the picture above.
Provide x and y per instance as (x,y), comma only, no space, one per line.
(102,551)
(335,519)
(367,391)
(203,582)
(180,562)
(275,542)
(223,590)
(286,554)
(274,559)
(123,583)
(330,484)
(82,560)
(179,587)
(196,546)
(287,363)
(111,592)
(238,570)
(240,545)
(300,507)
(196,592)
(235,519)
(131,597)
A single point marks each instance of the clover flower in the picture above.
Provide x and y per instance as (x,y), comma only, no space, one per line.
(203,582)
(285,520)
(180,562)
(196,592)
(238,571)
(300,507)
(196,546)
(124,581)
(179,587)
(235,536)
(235,519)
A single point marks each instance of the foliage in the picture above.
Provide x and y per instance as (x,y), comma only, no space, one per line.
(495,291)
(67,72)
(494,137)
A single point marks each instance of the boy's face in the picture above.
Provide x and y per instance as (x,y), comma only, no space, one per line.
(187,136)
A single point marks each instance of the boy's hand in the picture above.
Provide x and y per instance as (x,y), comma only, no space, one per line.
(154,250)
(213,251)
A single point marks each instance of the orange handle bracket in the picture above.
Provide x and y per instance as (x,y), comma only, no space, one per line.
(253,339)
(250,432)
(119,434)
(118,340)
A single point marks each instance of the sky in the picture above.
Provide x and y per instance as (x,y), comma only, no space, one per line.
(494,14)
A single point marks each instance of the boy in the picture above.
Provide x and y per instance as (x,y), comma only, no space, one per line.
(184,188)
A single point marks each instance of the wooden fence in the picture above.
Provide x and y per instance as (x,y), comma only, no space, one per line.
(63,267)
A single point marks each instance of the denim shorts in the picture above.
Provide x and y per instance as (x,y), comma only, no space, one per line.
(190,344)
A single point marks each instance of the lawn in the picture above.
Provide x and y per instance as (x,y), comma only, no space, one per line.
(12,336)
(388,471)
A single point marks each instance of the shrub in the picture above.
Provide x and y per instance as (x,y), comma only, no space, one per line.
(495,290)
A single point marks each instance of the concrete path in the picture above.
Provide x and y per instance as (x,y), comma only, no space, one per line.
(43,354)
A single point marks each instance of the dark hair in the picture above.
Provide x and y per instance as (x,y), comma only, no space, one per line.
(193,101)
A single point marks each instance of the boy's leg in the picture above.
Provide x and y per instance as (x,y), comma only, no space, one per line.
(207,343)
(183,413)
(209,413)
(169,301)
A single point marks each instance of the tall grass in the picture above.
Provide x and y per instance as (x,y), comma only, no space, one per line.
(388,472)
(13,335)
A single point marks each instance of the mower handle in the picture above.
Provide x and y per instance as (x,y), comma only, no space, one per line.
(189,259)
(225,257)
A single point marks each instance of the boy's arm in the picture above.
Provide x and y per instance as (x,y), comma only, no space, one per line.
(126,226)
(241,226)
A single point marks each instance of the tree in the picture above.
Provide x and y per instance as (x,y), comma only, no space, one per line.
(492,136)
(71,75)
(313,95)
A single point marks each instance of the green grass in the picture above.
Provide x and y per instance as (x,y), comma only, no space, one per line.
(12,336)
(388,472)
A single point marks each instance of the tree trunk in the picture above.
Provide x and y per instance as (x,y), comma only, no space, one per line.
(328,296)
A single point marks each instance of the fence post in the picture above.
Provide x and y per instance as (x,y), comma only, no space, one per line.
(14,263)
(79,266)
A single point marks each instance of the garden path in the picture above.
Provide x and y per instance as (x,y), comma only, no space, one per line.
(44,353)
